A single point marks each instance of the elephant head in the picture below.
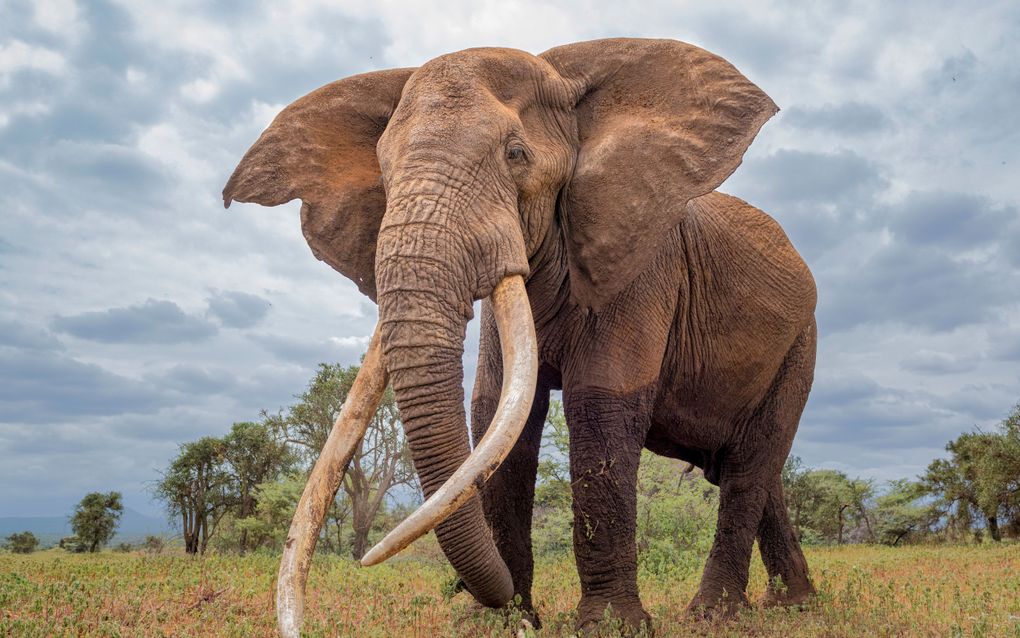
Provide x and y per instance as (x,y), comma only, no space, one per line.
(433,187)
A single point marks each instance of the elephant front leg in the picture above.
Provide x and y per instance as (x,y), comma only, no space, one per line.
(607,433)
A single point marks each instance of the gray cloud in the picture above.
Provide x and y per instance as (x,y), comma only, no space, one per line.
(792,176)
(849,118)
(931,362)
(194,380)
(40,387)
(919,288)
(19,335)
(236,309)
(952,220)
(154,321)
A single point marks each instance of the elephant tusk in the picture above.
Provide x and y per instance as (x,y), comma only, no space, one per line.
(321,488)
(516,328)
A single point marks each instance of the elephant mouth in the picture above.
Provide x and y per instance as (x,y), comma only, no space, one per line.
(518,343)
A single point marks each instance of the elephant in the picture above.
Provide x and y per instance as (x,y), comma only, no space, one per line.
(573,192)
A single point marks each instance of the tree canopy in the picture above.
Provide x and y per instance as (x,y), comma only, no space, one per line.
(95,519)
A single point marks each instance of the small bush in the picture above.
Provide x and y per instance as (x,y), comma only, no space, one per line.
(154,544)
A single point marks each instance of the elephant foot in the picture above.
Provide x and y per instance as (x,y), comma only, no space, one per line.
(513,616)
(527,614)
(780,595)
(628,617)
(710,605)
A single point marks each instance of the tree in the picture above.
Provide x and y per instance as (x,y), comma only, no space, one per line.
(254,456)
(980,481)
(197,488)
(381,462)
(22,542)
(825,504)
(277,501)
(95,519)
(901,512)
(798,492)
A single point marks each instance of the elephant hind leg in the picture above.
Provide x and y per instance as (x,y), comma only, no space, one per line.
(724,581)
(787,568)
(751,499)
(789,583)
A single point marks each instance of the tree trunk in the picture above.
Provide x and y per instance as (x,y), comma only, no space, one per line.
(867,524)
(993,528)
(839,537)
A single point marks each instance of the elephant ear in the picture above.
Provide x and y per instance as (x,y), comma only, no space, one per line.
(321,149)
(659,122)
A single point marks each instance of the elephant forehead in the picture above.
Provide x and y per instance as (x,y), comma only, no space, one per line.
(474,77)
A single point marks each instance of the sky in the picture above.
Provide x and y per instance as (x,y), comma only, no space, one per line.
(137,314)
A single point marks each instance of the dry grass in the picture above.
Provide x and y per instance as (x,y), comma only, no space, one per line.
(878,591)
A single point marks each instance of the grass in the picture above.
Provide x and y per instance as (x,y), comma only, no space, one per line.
(864,590)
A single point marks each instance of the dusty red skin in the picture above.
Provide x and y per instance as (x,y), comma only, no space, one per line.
(673,317)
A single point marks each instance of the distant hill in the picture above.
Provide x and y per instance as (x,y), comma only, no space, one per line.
(134,526)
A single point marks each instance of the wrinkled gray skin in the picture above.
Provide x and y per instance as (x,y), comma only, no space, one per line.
(673,317)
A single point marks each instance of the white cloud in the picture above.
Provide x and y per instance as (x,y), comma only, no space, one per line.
(27,109)
(200,90)
(349,342)
(17,55)
(59,17)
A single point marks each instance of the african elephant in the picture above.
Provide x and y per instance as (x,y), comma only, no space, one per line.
(575,191)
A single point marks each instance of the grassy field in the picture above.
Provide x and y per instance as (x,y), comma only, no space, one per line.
(878,591)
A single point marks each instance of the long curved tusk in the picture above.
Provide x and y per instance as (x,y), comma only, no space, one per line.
(321,488)
(520,371)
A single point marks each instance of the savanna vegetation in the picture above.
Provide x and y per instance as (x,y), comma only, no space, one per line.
(876,590)
(931,555)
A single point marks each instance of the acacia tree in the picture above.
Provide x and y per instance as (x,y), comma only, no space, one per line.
(95,519)
(381,462)
(196,487)
(253,456)
(981,478)
(827,502)
(901,512)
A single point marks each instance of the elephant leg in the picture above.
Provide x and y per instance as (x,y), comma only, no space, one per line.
(751,499)
(741,502)
(508,496)
(781,553)
(780,549)
(607,433)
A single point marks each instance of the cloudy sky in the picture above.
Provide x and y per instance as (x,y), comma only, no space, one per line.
(136,313)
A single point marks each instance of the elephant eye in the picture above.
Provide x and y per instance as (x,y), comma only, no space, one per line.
(515,153)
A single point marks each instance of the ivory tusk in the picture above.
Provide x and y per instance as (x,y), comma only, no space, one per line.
(321,488)
(520,370)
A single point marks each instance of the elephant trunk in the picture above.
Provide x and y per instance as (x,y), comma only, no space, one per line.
(424,305)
